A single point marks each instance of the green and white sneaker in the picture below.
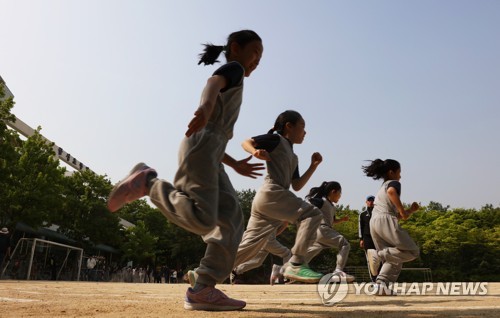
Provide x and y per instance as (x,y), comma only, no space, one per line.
(302,273)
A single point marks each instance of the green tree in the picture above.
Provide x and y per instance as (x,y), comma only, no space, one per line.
(436,206)
(459,244)
(9,157)
(85,217)
(139,245)
(37,189)
(245,198)
(175,246)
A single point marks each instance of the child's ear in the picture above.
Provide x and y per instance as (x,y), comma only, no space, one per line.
(235,49)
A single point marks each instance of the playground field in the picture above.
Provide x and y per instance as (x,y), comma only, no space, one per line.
(90,299)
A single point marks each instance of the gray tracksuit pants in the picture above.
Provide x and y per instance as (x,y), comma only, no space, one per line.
(394,246)
(274,247)
(328,237)
(203,201)
(272,205)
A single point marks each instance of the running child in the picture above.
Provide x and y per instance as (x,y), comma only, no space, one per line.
(324,197)
(201,198)
(394,245)
(274,203)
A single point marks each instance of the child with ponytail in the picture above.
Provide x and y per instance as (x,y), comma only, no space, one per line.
(274,203)
(201,199)
(324,197)
(394,245)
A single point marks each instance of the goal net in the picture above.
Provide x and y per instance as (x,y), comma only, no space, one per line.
(37,259)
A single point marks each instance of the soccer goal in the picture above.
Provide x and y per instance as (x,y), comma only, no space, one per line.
(37,259)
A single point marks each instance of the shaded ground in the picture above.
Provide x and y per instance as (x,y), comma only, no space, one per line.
(89,299)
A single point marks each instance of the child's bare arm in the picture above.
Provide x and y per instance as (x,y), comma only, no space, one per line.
(299,183)
(207,103)
(394,197)
(249,146)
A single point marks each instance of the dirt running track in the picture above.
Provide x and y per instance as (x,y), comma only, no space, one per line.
(88,299)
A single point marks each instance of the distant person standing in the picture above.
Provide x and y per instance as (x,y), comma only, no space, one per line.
(91,263)
(365,238)
(166,274)
(4,247)
(53,267)
(157,275)
(173,277)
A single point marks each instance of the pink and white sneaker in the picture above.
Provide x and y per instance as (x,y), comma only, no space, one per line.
(133,187)
(210,298)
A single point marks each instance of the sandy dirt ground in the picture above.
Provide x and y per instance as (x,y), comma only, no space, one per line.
(90,299)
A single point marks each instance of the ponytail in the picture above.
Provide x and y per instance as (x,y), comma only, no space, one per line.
(378,168)
(212,52)
(324,189)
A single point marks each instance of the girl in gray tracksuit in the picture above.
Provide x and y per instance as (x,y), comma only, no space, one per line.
(323,197)
(394,245)
(274,203)
(201,198)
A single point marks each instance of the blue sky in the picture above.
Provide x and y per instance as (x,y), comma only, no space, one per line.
(116,82)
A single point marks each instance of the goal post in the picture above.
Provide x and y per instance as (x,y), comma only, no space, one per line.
(38,259)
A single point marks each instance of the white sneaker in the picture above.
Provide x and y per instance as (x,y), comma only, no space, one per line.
(373,261)
(275,274)
(339,276)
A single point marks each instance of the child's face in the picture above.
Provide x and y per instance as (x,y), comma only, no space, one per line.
(296,132)
(394,174)
(334,196)
(248,56)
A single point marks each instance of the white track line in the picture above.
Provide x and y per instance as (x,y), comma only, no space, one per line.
(17,300)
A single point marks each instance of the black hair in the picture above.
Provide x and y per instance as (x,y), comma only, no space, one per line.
(288,116)
(212,52)
(323,190)
(378,168)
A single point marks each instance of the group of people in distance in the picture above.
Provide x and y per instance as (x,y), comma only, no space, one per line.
(202,200)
